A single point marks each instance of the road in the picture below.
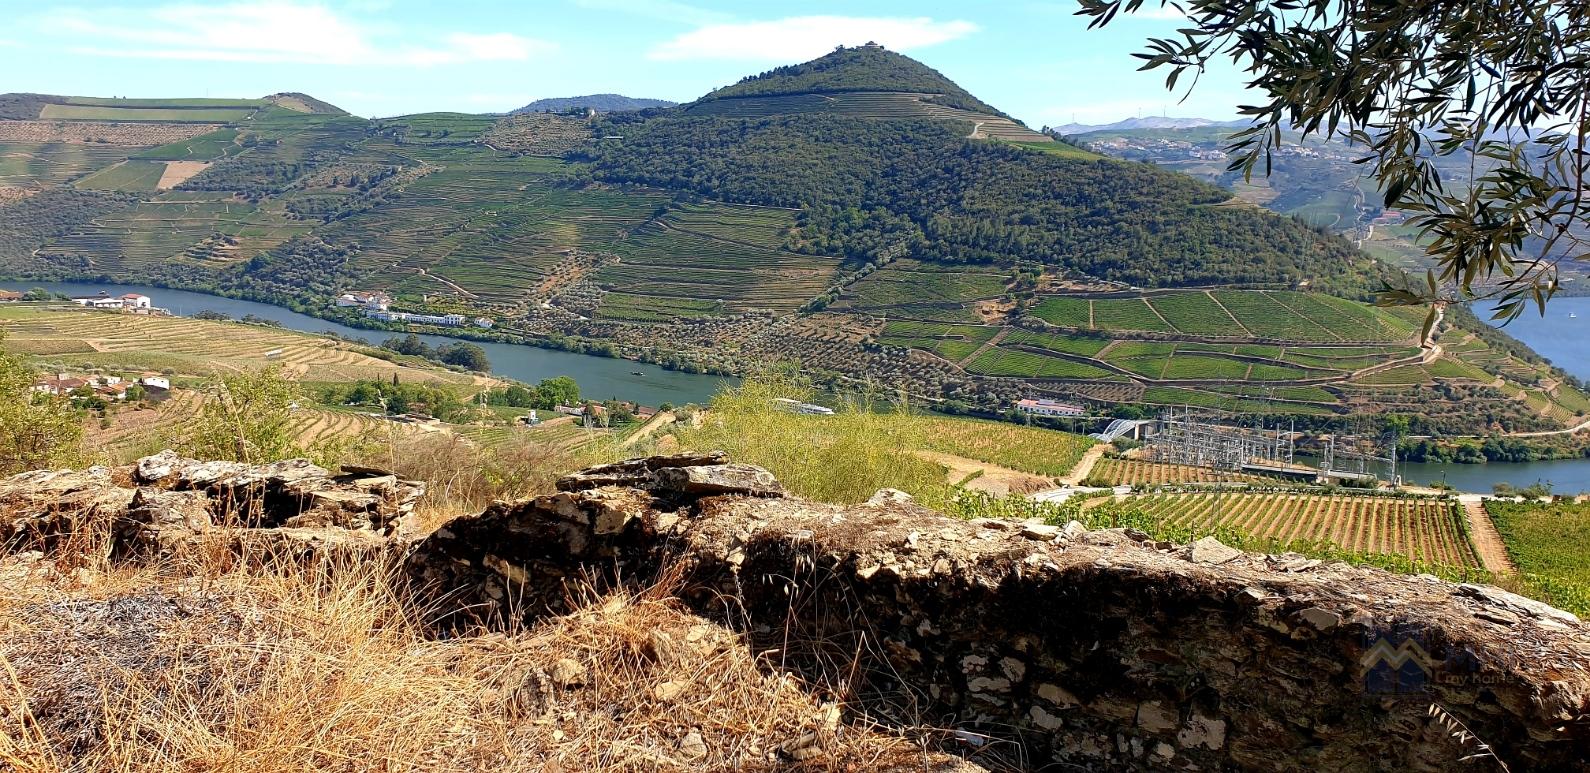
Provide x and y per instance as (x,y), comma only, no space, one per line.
(1487,541)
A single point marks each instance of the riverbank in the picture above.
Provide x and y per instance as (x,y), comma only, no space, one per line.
(599,377)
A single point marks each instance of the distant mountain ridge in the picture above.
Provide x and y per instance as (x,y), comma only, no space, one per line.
(1149,122)
(601,103)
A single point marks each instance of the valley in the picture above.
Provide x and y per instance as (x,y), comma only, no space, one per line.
(860,217)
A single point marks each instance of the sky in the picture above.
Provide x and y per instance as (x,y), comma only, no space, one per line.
(1034,60)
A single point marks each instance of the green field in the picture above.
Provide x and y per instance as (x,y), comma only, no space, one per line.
(25,163)
(1000,361)
(952,342)
(1547,544)
(125,176)
(205,147)
(163,114)
(1269,315)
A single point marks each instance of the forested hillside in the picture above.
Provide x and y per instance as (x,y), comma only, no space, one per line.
(917,186)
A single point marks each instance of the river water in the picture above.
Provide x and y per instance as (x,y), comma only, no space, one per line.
(1563,339)
(1562,335)
(600,378)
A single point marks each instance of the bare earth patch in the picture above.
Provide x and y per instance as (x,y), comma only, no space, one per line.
(994,480)
(10,194)
(178,172)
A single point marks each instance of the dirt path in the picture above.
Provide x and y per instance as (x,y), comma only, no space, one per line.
(1487,542)
(995,480)
(1085,465)
(989,344)
(658,420)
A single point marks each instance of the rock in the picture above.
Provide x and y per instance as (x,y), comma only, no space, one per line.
(1039,531)
(692,747)
(1212,551)
(1057,695)
(717,479)
(889,496)
(1074,530)
(667,691)
(568,672)
(1320,619)
(161,523)
(1155,717)
(156,468)
(1202,731)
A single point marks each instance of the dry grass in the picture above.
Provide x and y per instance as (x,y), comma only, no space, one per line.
(251,666)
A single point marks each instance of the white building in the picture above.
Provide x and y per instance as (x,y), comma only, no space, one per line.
(1043,407)
(446,320)
(155,382)
(370,301)
(484,322)
(129,301)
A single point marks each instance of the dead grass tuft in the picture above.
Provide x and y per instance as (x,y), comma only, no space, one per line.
(241,667)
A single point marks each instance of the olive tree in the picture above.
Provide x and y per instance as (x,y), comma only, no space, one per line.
(247,417)
(37,430)
(1410,81)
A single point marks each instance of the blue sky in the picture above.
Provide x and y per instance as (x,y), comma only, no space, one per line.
(1035,60)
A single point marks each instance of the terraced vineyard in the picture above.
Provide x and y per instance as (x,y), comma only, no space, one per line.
(1431,530)
(1112,471)
(1260,315)
(656,260)
(1547,544)
(84,339)
(29,164)
(1028,449)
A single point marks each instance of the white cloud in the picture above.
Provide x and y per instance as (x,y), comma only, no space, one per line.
(805,37)
(270,31)
(663,10)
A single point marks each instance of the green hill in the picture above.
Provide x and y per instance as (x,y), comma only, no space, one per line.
(863,68)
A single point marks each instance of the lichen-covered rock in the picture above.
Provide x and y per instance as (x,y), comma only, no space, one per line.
(40,508)
(681,477)
(291,493)
(160,523)
(162,503)
(1093,650)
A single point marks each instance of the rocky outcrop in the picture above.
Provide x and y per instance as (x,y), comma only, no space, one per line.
(165,503)
(1100,650)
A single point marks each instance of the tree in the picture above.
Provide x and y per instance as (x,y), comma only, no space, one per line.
(1411,82)
(409,344)
(36,294)
(556,391)
(464,355)
(36,430)
(212,315)
(247,418)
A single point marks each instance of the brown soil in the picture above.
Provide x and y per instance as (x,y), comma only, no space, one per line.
(1488,543)
(178,172)
(995,480)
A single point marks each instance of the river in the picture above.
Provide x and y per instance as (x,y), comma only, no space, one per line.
(600,378)
(1564,339)
(1562,335)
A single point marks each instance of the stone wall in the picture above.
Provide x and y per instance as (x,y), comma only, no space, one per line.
(1101,650)
(1029,642)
